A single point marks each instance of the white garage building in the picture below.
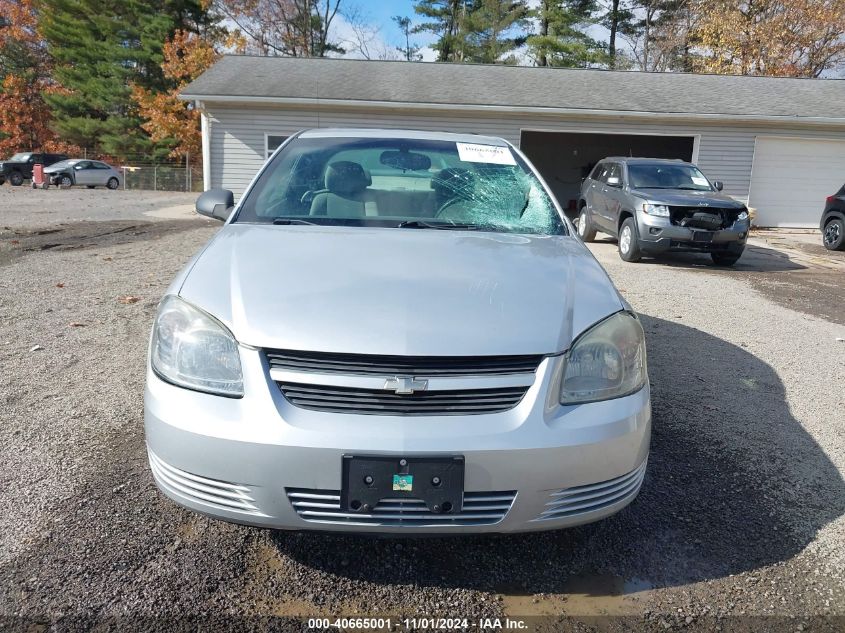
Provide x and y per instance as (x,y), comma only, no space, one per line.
(778,144)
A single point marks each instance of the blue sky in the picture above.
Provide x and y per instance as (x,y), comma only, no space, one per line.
(379,14)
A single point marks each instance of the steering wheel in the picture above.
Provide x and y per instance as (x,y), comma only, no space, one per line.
(450,202)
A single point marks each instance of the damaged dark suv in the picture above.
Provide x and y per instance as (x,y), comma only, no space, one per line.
(654,206)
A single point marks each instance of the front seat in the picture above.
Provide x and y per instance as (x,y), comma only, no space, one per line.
(346,194)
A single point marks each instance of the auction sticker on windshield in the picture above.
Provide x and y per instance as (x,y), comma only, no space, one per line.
(497,155)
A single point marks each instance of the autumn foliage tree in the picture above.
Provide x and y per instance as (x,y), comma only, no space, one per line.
(794,38)
(169,120)
(24,76)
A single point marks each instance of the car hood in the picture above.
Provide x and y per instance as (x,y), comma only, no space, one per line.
(54,168)
(686,198)
(413,292)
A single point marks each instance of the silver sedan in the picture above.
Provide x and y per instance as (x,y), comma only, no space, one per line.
(396,332)
(80,171)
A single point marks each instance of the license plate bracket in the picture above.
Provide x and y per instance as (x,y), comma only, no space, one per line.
(437,481)
(702,236)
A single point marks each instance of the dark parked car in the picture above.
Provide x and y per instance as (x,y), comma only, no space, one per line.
(656,205)
(833,222)
(19,167)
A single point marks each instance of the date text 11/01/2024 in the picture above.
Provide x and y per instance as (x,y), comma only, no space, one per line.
(415,624)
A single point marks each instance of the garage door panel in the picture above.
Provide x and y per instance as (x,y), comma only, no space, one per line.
(791,178)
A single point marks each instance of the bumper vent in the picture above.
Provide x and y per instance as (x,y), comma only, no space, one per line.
(323,506)
(428,366)
(210,492)
(335,399)
(571,502)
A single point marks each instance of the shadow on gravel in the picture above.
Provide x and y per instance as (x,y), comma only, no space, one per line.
(755,259)
(734,483)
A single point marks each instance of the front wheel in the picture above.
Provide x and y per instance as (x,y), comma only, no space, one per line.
(16,179)
(725,259)
(833,235)
(113,183)
(629,248)
(585,228)
(65,181)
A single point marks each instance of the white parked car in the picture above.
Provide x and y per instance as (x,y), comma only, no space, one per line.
(81,171)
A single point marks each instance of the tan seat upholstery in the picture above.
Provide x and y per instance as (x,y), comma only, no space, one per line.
(346,192)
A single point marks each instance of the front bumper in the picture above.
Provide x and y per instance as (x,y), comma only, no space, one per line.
(261,461)
(658,235)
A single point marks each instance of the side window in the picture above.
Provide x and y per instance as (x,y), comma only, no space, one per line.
(597,171)
(85,164)
(271,144)
(96,165)
(605,172)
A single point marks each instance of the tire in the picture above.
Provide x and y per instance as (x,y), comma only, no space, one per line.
(65,181)
(629,247)
(586,231)
(16,179)
(2,181)
(725,259)
(113,183)
(833,236)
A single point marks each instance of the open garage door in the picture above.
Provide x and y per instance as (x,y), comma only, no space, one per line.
(566,158)
(791,177)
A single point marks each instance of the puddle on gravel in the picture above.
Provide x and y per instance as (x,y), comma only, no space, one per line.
(589,594)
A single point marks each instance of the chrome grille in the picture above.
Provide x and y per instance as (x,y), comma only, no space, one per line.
(211,492)
(336,399)
(323,506)
(582,499)
(428,366)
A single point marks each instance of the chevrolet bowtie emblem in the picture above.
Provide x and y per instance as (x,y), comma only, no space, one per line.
(405,385)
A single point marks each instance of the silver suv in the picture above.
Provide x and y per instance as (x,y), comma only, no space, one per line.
(654,206)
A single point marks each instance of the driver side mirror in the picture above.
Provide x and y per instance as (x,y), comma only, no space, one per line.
(719,185)
(216,203)
(614,181)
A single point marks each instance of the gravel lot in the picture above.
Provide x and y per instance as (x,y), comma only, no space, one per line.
(742,513)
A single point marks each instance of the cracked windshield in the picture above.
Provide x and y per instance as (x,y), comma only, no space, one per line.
(404,183)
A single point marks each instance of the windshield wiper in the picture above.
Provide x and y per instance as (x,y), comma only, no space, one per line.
(419,224)
(292,221)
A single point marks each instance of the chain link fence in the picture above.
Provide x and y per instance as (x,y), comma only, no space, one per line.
(142,172)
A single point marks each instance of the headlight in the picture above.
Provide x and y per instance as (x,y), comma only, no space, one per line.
(192,349)
(743,215)
(660,210)
(607,361)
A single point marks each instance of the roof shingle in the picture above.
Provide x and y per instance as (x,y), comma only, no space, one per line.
(518,87)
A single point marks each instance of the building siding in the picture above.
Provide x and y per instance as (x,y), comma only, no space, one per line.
(237,133)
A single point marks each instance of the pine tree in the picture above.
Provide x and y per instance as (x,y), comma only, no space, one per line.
(410,52)
(100,50)
(446,19)
(494,29)
(561,39)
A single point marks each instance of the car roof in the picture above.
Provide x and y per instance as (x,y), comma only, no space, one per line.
(649,161)
(383,133)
